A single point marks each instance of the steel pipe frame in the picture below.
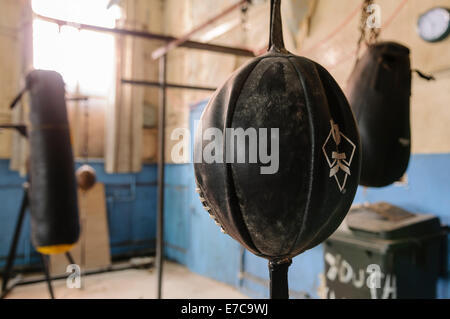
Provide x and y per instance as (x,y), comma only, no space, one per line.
(161,171)
(154,36)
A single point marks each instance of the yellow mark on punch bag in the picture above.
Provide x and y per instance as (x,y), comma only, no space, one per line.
(56,249)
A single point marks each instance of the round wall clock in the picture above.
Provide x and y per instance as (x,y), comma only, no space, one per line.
(434,25)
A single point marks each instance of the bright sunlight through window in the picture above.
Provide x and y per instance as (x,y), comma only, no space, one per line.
(84,58)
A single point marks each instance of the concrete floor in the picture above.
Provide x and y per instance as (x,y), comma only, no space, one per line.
(178,283)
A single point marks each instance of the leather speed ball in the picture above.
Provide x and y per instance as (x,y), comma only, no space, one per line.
(281,214)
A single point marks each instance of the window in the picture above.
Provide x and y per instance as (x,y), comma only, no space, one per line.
(85,59)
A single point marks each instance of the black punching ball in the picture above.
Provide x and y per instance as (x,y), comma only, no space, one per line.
(379,91)
(53,193)
(279,215)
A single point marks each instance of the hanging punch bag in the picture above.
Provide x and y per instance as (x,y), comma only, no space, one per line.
(53,194)
(379,91)
(278,215)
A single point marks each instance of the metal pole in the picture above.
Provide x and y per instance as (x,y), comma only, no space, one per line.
(168,85)
(15,241)
(45,263)
(278,269)
(21,128)
(70,258)
(161,150)
(111,268)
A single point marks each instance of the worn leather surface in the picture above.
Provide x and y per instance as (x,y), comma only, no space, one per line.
(53,195)
(281,215)
(379,91)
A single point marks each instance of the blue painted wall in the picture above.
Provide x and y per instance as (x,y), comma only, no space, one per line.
(131,208)
(10,197)
(207,251)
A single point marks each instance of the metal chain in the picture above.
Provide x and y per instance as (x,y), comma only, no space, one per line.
(370,37)
(244,19)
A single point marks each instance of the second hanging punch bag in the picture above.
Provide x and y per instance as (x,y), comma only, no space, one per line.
(53,193)
(280,211)
(379,91)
